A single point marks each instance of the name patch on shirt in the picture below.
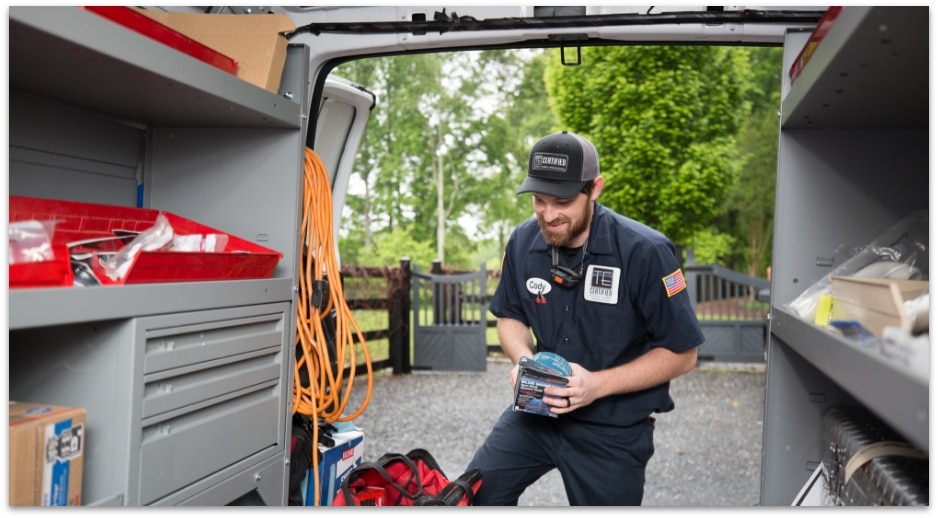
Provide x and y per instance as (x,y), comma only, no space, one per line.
(602,284)
(537,286)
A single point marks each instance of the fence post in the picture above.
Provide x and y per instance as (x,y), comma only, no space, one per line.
(691,277)
(399,320)
(439,306)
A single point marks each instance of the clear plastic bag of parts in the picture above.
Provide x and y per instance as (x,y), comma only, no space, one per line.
(901,252)
(161,236)
(30,241)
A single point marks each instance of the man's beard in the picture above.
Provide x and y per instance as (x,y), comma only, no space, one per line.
(578,225)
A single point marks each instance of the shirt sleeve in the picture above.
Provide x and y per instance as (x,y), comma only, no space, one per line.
(664,300)
(506,301)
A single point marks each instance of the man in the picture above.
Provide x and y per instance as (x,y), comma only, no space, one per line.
(606,293)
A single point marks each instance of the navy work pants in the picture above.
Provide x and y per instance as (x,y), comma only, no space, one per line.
(600,464)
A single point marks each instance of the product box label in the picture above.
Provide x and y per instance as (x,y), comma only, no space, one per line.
(533,377)
(334,464)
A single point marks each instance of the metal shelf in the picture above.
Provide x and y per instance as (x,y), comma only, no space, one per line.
(82,59)
(852,162)
(102,111)
(869,71)
(898,396)
(36,307)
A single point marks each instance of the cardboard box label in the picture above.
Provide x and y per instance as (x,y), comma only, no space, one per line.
(47,444)
(63,442)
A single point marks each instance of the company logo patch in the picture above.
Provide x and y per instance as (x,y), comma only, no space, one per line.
(602,284)
(549,162)
(674,283)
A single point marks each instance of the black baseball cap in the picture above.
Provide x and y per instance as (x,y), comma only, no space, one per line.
(560,165)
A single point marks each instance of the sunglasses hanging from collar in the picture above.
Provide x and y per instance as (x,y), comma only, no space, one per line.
(561,274)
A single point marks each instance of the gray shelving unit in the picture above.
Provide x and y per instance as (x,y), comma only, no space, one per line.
(186,385)
(853,162)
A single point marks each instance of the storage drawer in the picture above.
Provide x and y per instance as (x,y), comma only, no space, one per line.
(175,389)
(185,345)
(179,451)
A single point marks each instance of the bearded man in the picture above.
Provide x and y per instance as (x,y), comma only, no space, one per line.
(607,294)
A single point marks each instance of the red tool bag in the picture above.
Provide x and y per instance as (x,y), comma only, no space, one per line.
(414,479)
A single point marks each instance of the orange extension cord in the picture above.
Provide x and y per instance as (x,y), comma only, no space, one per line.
(321,400)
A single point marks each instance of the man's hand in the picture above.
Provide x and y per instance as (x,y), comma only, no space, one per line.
(513,376)
(581,390)
(651,369)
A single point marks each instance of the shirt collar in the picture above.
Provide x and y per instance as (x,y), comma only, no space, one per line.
(599,241)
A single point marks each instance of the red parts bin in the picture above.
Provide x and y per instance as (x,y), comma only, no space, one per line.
(45,274)
(153,29)
(75,221)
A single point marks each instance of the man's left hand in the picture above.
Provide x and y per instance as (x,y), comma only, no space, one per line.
(581,390)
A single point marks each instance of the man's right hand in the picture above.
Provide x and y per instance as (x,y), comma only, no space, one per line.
(513,376)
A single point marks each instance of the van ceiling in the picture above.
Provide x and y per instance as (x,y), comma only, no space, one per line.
(395,29)
(453,22)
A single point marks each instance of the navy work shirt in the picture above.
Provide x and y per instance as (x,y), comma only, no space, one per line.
(630,299)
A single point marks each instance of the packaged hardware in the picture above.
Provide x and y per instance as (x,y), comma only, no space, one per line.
(533,378)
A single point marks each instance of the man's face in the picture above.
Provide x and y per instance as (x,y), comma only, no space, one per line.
(563,222)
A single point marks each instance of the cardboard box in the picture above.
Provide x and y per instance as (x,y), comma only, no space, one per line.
(47,444)
(874,303)
(334,464)
(256,41)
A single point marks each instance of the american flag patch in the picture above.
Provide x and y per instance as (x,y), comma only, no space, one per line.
(674,283)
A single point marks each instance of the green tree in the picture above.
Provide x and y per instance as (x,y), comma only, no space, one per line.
(394,152)
(521,116)
(750,207)
(664,120)
(440,149)
(391,246)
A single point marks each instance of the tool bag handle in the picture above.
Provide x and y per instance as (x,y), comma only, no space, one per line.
(458,492)
(378,467)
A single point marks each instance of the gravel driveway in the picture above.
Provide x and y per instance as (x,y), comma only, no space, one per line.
(708,450)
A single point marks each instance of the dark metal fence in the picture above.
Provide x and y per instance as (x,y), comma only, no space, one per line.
(731,307)
(383,289)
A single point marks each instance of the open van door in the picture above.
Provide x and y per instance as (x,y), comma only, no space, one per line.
(343,113)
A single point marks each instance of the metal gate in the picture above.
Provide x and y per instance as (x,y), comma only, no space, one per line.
(731,308)
(450,312)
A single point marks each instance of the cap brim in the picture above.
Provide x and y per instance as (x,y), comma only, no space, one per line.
(562,190)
